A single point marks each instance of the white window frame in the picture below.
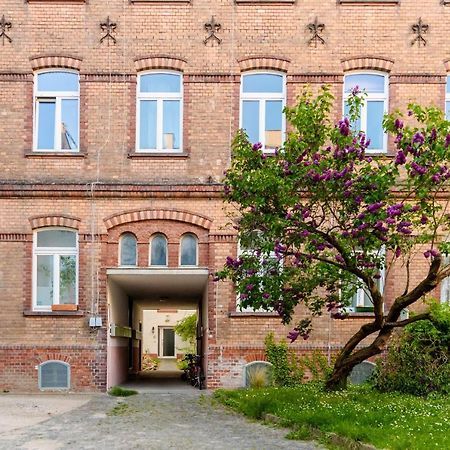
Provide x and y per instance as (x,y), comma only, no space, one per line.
(447,98)
(56,252)
(197,252)
(370,97)
(150,251)
(58,96)
(445,285)
(262,97)
(249,309)
(120,250)
(159,97)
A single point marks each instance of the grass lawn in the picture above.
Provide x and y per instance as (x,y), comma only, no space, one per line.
(387,421)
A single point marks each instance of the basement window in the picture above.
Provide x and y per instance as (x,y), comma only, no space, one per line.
(54,375)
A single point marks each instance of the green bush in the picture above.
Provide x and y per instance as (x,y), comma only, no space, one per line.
(117,391)
(418,360)
(286,368)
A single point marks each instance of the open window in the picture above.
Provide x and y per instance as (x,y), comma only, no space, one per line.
(56,111)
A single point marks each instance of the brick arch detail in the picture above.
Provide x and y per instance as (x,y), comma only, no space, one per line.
(367,63)
(447,65)
(160,62)
(54,221)
(158,214)
(257,356)
(264,62)
(57,357)
(49,61)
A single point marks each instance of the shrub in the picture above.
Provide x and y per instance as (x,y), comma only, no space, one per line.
(259,376)
(317,365)
(286,367)
(418,361)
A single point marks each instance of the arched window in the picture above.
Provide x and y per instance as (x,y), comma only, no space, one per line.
(158,250)
(263,97)
(159,112)
(128,250)
(55,263)
(54,375)
(375,105)
(189,250)
(56,111)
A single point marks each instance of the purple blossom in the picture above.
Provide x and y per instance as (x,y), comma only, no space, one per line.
(418,138)
(447,140)
(398,124)
(424,220)
(339,259)
(436,178)
(418,169)
(293,335)
(398,252)
(400,158)
(257,146)
(374,207)
(395,210)
(344,127)
(356,90)
(249,287)
(433,135)
(266,295)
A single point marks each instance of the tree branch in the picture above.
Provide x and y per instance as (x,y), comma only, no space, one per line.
(403,323)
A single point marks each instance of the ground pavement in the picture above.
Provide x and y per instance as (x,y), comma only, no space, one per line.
(184,419)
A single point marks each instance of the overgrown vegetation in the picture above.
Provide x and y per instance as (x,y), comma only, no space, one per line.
(259,376)
(117,391)
(290,370)
(418,361)
(390,421)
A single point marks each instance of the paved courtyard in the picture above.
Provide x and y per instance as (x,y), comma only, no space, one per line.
(151,420)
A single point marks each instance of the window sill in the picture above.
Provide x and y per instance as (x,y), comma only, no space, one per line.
(29,312)
(359,315)
(264,1)
(158,155)
(369,2)
(253,314)
(34,154)
(159,1)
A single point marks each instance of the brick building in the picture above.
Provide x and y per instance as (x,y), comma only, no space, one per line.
(115,130)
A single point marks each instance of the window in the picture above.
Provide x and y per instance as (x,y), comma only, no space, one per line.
(55,268)
(445,285)
(375,85)
(158,250)
(54,375)
(447,99)
(128,250)
(263,97)
(56,111)
(189,250)
(159,112)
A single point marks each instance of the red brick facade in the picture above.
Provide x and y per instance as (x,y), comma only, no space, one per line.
(107,188)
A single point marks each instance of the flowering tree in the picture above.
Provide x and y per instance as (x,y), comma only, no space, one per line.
(320,218)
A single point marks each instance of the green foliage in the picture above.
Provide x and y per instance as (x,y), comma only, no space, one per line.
(418,361)
(317,365)
(286,369)
(187,329)
(392,421)
(259,376)
(117,391)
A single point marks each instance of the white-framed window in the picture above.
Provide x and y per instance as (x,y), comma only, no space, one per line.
(55,268)
(271,257)
(56,110)
(189,250)
(447,99)
(158,250)
(445,284)
(375,105)
(159,112)
(263,98)
(128,250)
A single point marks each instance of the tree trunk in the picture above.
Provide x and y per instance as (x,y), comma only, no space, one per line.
(338,378)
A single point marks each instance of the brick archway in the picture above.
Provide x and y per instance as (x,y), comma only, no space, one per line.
(367,63)
(264,63)
(160,62)
(56,61)
(54,221)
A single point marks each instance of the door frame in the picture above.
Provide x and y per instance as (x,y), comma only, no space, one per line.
(161,329)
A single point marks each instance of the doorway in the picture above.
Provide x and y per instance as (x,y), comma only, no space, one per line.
(166,337)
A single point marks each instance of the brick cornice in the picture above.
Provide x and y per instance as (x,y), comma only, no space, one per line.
(48,61)
(54,221)
(158,214)
(160,62)
(264,62)
(367,63)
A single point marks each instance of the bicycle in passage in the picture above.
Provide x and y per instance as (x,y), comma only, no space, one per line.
(193,373)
